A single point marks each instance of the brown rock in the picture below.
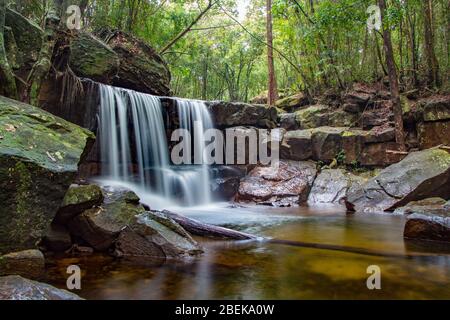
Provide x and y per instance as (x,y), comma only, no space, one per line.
(28,263)
(297,145)
(291,181)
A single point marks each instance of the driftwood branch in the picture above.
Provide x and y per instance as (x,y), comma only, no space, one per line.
(206,230)
(185,31)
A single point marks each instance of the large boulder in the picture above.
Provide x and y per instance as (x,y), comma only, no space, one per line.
(421,175)
(25,38)
(332,185)
(431,205)
(327,143)
(287,184)
(93,59)
(231,114)
(141,67)
(28,263)
(18,288)
(123,226)
(39,157)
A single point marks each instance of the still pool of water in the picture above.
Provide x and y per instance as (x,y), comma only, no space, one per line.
(261,270)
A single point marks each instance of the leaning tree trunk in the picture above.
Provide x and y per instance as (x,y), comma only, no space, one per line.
(393,80)
(42,67)
(432,62)
(273,90)
(7,80)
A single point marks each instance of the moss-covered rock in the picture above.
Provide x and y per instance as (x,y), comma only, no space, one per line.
(141,67)
(312,117)
(78,199)
(123,226)
(39,157)
(93,59)
(26,36)
(293,102)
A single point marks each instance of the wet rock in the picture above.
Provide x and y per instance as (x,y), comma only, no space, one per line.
(430,226)
(225,181)
(18,288)
(332,185)
(141,67)
(293,102)
(230,114)
(155,235)
(123,226)
(297,145)
(93,59)
(28,263)
(39,157)
(78,199)
(57,238)
(289,184)
(421,175)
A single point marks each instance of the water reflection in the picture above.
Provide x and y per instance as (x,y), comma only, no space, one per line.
(249,270)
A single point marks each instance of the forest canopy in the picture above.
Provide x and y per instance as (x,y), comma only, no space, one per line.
(221,49)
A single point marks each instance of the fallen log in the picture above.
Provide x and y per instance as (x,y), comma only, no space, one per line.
(206,230)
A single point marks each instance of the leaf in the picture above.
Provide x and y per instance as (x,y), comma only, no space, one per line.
(10,128)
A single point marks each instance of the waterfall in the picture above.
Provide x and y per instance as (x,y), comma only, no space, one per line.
(134,148)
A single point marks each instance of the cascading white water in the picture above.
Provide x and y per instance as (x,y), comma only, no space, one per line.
(126,114)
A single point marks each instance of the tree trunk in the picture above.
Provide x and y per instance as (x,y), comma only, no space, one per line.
(7,81)
(432,63)
(272,90)
(393,80)
(42,66)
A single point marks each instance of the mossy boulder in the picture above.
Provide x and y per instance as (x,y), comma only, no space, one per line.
(39,157)
(26,37)
(141,67)
(293,102)
(122,225)
(312,117)
(78,199)
(93,59)
(423,174)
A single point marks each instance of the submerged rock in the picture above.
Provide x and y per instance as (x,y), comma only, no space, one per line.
(18,288)
(332,185)
(39,157)
(285,185)
(420,175)
(28,263)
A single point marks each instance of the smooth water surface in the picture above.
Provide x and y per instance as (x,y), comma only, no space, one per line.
(243,270)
